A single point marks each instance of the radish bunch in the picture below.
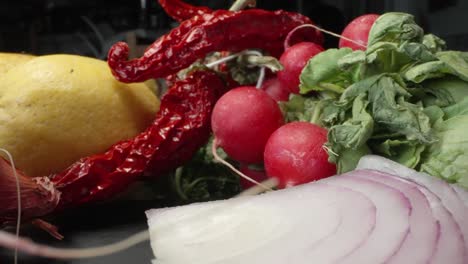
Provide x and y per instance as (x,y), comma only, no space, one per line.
(248,123)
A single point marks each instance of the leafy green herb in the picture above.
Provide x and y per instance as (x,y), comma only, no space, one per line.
(457,61)
(395,27)
(448,157)
(378,105)
(404,97)
(434,43)
(327,77)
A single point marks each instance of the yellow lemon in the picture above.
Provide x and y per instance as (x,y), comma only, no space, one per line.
(11,60)
(56,109)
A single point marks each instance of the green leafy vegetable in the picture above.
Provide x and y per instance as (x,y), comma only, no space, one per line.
(448,157)
(322,72)
(375,106)
(404,97)
(395,27)
(428,70)
(457,61)
(443,92)
(434,43)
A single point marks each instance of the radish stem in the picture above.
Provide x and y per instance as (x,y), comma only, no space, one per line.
(241,4)
(254,57)
(227,164)
(332,34)
(270,183)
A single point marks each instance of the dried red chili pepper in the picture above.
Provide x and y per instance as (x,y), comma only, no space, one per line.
(181,127)
(182,11)
(221,30)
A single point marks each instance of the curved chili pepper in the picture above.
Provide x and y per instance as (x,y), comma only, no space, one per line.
(181,127)
(182,11)
(221,30)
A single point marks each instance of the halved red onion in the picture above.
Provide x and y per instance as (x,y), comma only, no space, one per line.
(393,211)
(421,242)
(356,224)
(250,228)
(448,196)
(450,245)
(462,194)
(364,216)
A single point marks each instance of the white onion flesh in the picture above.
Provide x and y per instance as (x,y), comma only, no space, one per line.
(360,217)
(462,194)
(445,192)
(421,242)
(393,211)
(233,232)
(451,244)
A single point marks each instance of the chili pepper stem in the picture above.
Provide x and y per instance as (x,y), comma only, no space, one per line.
(214,146)
(241,4)
(18,191)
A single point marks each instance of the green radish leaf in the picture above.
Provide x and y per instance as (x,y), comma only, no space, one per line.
(396,28)
(322,72)
(457,61)
(434,43)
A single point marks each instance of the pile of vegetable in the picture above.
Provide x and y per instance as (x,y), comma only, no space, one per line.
(179,129)
(402,98)
(381,213)
(280,111)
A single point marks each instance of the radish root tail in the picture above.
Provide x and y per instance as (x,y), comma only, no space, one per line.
(214,146)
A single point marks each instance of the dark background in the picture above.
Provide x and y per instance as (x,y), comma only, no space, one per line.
(90,27)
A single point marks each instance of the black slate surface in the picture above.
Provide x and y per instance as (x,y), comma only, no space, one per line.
(93,226)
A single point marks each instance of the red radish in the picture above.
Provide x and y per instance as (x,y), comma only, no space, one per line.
(294,154)
(276,90)
(358,31)
(256,174)
(294,60)
(243,120)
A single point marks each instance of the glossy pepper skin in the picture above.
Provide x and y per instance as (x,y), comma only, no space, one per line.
(180,128)
(182,11)
(221,30)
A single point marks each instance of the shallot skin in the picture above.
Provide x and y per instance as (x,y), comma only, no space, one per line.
(375,214)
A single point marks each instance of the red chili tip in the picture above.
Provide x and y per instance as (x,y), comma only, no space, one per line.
(116,58)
